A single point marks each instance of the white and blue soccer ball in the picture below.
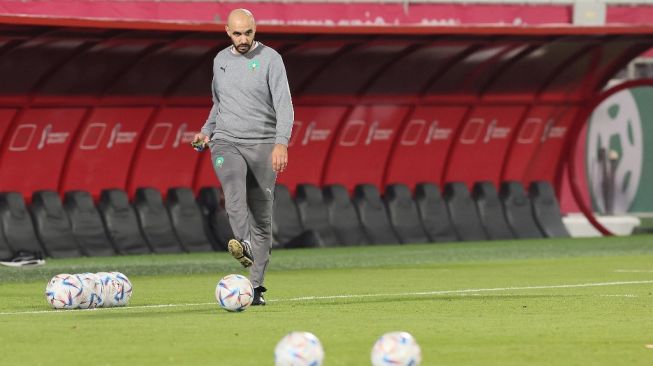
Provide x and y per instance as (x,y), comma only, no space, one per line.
(234,293)
(396,349)
(116,288)
(92,291)
(122,298)
(64,291)
(299,349)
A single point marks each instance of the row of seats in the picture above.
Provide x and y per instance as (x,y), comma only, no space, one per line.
(76,227)
(329,217)
(314,217)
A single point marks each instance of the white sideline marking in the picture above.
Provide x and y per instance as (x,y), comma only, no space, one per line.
(634,270)
(359,296)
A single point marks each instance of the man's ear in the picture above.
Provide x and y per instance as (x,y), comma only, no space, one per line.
(226,29)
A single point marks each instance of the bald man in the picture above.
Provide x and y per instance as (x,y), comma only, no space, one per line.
(247,131)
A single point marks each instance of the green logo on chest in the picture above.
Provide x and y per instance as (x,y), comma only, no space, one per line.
(253,65)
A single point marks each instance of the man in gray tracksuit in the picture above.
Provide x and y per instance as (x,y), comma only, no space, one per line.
(248,130)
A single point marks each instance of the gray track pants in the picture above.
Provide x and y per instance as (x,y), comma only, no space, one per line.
(247,178)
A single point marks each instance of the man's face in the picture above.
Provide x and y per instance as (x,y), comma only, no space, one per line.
(242,35)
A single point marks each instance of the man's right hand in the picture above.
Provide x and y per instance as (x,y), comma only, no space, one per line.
(201,138)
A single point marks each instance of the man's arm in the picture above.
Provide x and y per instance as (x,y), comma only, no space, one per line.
(281,100)
(209,125)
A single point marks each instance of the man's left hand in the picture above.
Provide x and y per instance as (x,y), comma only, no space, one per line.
(279,158)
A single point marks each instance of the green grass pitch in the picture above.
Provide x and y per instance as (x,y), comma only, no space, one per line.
(535,302)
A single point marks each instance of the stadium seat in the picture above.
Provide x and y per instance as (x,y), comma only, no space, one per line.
(433,213)
(17,224)
(121,223)
(313,213)
(86,224)
(216,218)
(187,220)
(287,229)
(546,210)
(463,213)
(52,225)
(403,214)
(343,217)
(373,215)
(518,210)
(5,251)
(490,211)
(154,221)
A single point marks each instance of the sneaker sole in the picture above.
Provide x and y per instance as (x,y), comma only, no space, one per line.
(236,251)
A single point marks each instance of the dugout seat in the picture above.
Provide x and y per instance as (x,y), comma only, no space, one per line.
(546,210)
(121,223)
(287,228)
(373,215)
(463,213)
(313,213)
(433,213)
(187,221)
(86,224)
(154,221)
(403,214)
(490,211)
(343,216)
(52,225)
(17,225)
(5,250)
(216,219)
(518,209)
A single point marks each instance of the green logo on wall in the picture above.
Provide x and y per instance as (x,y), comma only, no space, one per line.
(615,144)
(219,161)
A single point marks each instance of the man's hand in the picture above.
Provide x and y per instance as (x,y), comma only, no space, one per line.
(279,158)
(201,137)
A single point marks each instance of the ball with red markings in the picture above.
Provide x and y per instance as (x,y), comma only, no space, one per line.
(396,349)
(234,293)
(299,349)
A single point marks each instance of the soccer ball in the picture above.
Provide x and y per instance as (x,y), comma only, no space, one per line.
(92,291)
(64,291)
(396,349)
(234,292)
(123,296)
(117,288)
(299,349)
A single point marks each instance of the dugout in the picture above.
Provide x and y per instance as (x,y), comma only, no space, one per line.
(95,104)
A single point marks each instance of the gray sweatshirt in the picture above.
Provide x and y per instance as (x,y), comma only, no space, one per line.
(251,98)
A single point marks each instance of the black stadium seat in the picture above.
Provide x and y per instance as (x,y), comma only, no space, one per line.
(490,210)
(187,220)
(403,214)
(546,210)
(5,251)
(373,215)
(86,224)
(343,216)
(433,213)
(17,223)
(52,225)
(121,223)
(154,221)
(313,213)
(287,228)
(463,213)
(216,219)
(518,210)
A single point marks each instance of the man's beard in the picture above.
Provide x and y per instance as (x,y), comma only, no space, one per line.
(242,48)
